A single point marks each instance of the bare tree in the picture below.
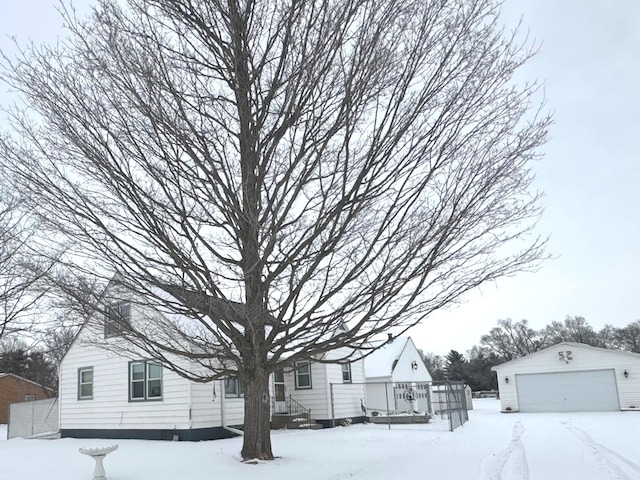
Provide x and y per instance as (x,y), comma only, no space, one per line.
(609,337)
(628,338)
(435,364)
(514,340)
(277,170)
(574,329)
(20,273)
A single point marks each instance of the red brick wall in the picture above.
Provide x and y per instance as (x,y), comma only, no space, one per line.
(13,389)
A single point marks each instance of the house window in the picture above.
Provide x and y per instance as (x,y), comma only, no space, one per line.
(117,319)
(85,383)
(233,388)
(145,381)
(29,397)
(346,373)
(303,375)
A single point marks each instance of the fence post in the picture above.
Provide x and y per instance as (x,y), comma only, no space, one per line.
(447,393)
(333,412)
(386,398)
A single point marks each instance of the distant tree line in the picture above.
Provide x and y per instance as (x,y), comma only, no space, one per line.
(38,357)
(510,340)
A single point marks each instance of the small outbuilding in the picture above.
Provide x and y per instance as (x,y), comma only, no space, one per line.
(570,377)
(397,378)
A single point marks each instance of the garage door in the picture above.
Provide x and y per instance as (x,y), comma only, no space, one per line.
(592,391)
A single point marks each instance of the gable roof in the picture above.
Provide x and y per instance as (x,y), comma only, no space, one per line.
(516,361)
(381,362)
(221,308)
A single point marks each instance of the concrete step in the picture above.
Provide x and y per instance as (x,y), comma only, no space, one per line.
(293,422)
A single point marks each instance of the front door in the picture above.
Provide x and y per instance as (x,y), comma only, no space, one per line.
(280,405)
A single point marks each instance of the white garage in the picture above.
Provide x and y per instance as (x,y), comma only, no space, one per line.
(570,377)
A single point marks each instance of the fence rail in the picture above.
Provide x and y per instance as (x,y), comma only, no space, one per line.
(30,419)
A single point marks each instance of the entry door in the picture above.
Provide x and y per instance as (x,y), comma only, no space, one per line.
(280,404)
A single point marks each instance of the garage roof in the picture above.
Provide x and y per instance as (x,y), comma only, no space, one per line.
(568,345)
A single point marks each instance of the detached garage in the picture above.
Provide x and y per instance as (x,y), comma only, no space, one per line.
(570,377)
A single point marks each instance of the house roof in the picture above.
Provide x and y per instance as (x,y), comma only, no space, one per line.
(18,377)
(564,344)
(215,307)
(381,362)
(221,308)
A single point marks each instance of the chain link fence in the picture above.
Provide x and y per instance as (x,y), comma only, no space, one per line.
(34,418)
(440,406)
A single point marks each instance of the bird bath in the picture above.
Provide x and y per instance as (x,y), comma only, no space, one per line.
(98,454)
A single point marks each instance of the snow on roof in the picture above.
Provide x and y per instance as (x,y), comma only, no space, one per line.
(380,363)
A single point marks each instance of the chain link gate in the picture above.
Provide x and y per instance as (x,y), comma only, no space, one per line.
(29,419)
(439,406)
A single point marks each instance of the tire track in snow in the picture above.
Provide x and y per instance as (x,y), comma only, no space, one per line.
(606,460)
(509,463)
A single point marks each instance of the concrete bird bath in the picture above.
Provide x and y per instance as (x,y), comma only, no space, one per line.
(98,454)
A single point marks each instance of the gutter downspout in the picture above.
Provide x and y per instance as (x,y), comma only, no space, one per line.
(190,401)
(222,416)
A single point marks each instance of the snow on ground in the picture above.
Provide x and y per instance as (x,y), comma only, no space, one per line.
(491,446)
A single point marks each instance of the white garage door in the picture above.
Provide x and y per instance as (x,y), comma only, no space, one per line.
(592,391)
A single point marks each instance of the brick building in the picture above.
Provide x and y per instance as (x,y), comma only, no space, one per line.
(15,389)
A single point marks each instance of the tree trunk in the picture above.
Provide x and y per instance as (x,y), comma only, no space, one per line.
(257,416)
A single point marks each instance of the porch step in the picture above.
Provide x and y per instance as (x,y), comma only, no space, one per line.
(293,422)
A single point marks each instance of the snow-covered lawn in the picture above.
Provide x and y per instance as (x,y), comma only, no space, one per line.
(491,446)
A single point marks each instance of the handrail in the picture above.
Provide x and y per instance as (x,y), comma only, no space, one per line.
(291,407)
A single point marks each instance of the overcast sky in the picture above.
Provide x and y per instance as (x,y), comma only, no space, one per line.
(590,174)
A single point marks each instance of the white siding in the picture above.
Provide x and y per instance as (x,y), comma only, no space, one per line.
(315,398)
(205,407)
(110,407)
(583,358)
(404,371)
(233,411)
(318,398)
(347,396)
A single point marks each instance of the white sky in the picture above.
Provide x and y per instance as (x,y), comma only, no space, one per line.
(590,61)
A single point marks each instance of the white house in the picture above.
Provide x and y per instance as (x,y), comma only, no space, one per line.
(570,377)
(332,392)
(107,395)
(397,378)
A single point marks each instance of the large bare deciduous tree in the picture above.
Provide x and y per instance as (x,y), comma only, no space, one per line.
(275,169)
(21,290)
